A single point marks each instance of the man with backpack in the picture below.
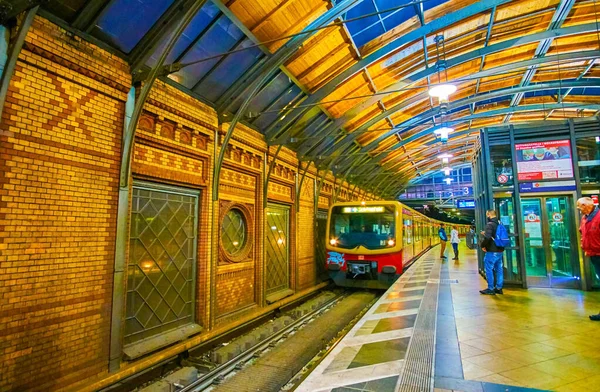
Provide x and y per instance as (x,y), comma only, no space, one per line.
(495,239)
(443,240)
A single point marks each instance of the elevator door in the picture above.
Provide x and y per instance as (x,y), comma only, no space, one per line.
(550,242)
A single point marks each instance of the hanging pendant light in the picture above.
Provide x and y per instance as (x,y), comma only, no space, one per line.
(443,133)
(442,91)
(445,157)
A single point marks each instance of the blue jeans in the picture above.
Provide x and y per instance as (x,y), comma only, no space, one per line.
(493,262)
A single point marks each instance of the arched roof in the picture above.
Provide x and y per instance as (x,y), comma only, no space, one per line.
(352,97)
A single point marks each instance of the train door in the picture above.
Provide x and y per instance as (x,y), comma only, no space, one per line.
(277,247)
(320,238)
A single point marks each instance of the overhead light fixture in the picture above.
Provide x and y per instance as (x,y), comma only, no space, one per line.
(442,91)
(445,157)
(443,133)
(447,170)
(448,180)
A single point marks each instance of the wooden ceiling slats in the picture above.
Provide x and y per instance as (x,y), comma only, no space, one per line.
(582,12)
(295,26)
(331,51)
(363,117)
(332,71)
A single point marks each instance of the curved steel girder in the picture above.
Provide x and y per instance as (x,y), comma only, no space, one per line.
(129,137)
(432,172)
(429,114)
(473,55)
(576,56)
(489,113)
(403,157)
(431,160)
(435,25)
(272,65)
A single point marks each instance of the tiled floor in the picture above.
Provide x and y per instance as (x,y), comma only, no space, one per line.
(536,338)
(372,356)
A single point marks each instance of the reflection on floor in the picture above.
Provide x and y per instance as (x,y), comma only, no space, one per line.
(536,338)
(525,339)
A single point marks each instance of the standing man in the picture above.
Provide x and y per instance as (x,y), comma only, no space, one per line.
(443,240)
(454,240)
(493,256)
(590,235)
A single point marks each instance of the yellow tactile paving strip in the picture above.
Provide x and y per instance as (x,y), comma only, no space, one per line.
(536,338)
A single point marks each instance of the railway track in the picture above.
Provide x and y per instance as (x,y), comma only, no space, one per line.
(276,359)
(219,373)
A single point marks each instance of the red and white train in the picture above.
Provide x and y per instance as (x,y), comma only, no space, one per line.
(370,244)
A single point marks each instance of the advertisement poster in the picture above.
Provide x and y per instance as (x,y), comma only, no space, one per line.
(544,160)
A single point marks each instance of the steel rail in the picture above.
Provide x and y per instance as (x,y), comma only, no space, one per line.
(220,372)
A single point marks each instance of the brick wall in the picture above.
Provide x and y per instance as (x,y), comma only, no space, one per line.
(60,148)
(60,156)
(306,239)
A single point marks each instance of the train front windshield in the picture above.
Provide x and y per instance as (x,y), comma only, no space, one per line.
(373,227)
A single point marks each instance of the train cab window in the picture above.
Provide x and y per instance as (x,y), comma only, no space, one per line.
(234,231)
(371,228)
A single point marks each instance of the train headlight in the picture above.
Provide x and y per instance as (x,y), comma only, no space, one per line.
(391,242)
(333,241)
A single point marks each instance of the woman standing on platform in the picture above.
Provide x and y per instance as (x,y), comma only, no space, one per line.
(454,240)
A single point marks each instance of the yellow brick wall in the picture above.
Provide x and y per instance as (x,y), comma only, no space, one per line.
(61,139)
(60,151)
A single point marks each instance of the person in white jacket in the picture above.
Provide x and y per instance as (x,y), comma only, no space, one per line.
(454,240)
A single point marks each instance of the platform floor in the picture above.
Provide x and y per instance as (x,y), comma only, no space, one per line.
(432,330)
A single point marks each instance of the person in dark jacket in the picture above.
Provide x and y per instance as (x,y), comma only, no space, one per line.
(590,235)
(493,256)
(443,240)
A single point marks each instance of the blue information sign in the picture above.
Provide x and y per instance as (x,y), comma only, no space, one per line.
(465,203)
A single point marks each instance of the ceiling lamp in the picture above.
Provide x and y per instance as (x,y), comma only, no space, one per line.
(443,133)
(448,180)
(442,91)
(445,157)
(447,170)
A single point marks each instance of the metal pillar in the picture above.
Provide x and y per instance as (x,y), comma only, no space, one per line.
(133,110)
(14,48)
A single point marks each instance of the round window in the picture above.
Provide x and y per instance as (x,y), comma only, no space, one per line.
(234,231)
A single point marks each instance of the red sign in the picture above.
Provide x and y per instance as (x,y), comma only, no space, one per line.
(502,178)
(544,160)
(595,199)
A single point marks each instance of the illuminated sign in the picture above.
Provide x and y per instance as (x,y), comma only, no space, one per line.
(465,203)
(366,209)
(544,160)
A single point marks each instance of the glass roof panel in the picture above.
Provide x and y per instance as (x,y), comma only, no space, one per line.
(220,38)
(275,88)
(201,21)
(228,71)
(125,22)
(365,29)
(368,28)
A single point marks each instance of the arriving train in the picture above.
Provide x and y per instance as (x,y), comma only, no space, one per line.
(371,243)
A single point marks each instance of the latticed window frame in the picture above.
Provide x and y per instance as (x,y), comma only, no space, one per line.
(157,187)
(245,253)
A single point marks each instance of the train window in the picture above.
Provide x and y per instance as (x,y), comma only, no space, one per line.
(372,228)
(234,231)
